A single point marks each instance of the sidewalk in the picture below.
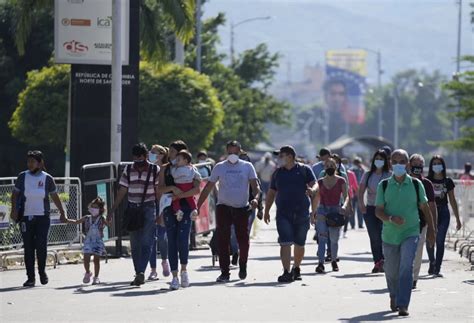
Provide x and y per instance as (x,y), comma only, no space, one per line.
(353,294)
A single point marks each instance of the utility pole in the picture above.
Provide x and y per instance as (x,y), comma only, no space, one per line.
(116,105)
(458,69)
(198,35)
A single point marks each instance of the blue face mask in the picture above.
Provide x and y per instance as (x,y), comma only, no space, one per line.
(438,168)
(399,170)
(379,163)
(152,157)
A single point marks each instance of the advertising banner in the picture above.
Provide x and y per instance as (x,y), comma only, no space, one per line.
(344,89)
(83,32)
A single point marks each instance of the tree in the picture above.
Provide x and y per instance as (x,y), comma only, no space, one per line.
(175,103)
(176,15)
(41,115)
(462,92)
(178,103)
(241,88)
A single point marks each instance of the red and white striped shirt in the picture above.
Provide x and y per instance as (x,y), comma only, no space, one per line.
(137,183)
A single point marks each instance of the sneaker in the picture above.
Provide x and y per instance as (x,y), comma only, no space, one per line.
(431,268)
(235,259)
(438,274)
(403,311)
(296,272)
(174,283)
(96,281)
(166,268)
(381,269)
(320,269)
(334,266)
(140,278)
(29,283)
(44,279)
(184,279)
(286,277)
(414,285)
(376,268)
(223,278)
(87,278)
(243,272)
(153,276)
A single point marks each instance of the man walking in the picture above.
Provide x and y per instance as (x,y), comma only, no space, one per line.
(234,176)
(140,181)
(397,202)
(292,186)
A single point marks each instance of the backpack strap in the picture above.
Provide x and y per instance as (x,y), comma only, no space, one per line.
(384,185)
(417,187)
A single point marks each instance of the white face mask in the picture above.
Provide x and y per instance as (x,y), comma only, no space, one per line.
(282,161)
(94,211)
(379,163)
(152,157)
(233,158)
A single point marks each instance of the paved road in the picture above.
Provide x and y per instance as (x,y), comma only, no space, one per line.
(352,294)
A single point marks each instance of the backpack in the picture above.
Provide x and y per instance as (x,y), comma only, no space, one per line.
(420,212)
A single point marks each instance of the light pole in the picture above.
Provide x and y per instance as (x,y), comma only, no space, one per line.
(233,26)
(198,35)
(116,104)
(458,70)
(395,116)
(379,83)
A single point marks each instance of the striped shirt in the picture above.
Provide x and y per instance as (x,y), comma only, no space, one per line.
(137,184)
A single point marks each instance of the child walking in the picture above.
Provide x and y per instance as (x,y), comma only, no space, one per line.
(94,224)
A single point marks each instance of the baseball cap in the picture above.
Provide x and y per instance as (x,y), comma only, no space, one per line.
(324,151)
(289,150)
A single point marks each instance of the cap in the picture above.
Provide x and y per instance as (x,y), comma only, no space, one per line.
(324,151)
(287,150)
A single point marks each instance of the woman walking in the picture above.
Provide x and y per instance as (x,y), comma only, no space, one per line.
(444,192)
(379,170)
(30,208)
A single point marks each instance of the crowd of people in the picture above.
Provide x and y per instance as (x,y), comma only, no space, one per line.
(391,198)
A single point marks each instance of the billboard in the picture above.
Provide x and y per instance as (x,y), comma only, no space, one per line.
(344,89)
(83,32)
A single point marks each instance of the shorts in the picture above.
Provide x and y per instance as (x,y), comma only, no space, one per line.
(292,227)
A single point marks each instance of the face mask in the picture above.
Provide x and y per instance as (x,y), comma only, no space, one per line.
(140,163)
(379,163)
(438,168)
(330,171)
(417,170)
(233,158)
(173,161)
(152,157)
(94,211)
(282,162)
(399,170)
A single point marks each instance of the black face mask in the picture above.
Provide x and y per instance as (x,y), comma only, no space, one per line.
(140,163)
(330,171)
(417,170)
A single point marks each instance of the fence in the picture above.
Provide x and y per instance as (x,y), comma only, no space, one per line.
(69,191)
(464,193)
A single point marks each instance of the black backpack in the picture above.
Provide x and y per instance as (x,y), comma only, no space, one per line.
(416,185)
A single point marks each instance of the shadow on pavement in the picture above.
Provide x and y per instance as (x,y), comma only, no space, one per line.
(14,289)
(378,316)
(124,283)
(376,291)
(469,282)
(360,275)
(135,293)
(263,284)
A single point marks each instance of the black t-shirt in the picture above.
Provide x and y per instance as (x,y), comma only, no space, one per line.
(441,189)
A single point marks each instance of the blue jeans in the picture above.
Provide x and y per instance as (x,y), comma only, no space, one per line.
(374,229)
(162,241)
(142,240)
(35,238)
(398,268)
(327,235)
(443,226)
(292,227)
(178,236)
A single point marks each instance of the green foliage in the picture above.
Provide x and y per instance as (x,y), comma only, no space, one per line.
(462,92)
(178,103)
(241,88)
(40,118)
(424,118)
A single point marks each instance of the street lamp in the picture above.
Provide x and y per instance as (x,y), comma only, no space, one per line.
(233,26)
(379,82)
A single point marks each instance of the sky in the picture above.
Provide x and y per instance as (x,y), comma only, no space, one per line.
(420,34)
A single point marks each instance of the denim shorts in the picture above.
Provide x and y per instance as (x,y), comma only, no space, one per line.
(292,227)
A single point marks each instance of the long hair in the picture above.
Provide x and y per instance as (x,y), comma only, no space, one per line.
(338,161)
(383,154)
(431,172)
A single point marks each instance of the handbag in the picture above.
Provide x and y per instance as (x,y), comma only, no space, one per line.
(335,219)
(134,218)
